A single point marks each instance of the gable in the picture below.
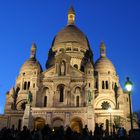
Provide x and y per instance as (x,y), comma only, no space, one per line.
(75,72)
(49,72)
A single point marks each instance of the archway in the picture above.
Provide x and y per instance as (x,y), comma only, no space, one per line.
(57,122)
(107,126)
(76,125)
(39,123)
(19,124)
(61,91)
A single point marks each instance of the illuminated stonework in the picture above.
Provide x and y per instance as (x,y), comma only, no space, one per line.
(72,89)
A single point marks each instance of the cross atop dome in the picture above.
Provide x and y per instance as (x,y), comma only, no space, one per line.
(71,16)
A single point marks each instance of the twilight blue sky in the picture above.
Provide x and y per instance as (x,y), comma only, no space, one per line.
(22,22)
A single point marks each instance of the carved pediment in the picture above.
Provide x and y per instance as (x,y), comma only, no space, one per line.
(49,72)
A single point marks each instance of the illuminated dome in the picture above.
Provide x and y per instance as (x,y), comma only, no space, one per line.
(31,65)
(103,64)
(72,41)
(71,34)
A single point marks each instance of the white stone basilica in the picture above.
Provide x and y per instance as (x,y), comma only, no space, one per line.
(73,90)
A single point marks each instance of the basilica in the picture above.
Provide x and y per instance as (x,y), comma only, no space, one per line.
(73,90)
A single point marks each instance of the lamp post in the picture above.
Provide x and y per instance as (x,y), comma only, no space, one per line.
(128,87)
(110,111)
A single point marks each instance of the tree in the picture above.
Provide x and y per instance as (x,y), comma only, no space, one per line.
(14,96)
(119,121)
(135,117)
(138,117)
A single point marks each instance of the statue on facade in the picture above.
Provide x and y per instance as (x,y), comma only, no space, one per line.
(29,97)
(116,94)
(62,68)
(89,96)
(54,98)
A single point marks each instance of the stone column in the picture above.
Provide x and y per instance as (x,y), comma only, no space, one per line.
(67,118)
(90,118)
(27,117)
(99,83)
(49,116)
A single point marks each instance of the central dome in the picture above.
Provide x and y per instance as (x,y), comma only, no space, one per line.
(71,41)
(72,34)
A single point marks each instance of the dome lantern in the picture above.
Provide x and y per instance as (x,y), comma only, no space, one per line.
(71,16)
(102,50)
(33,51)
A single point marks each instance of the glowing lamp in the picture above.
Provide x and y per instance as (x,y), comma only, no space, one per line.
(128,85)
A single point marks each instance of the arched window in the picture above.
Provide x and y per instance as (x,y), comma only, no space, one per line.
(103,85)
(75,49)
(45,101)
(106,82)
(77,101)
(28,86)
(25,84)
(76,66)
(61,99)
(68,49)
(96,84)
(33,85)
(89,84)
(77,90)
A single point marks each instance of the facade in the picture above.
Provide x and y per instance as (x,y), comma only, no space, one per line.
(73,90)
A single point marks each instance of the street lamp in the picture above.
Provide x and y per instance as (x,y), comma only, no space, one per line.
(110,111)
(128,87)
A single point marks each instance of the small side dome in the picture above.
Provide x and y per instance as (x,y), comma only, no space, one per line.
(31,64)
(103,64)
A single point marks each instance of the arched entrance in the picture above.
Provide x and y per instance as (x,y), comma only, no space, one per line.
(57,122)
(19,124)
(107,126)
(39,123)
(76,125)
